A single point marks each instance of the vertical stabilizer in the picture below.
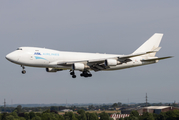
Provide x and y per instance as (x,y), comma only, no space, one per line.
(151,44)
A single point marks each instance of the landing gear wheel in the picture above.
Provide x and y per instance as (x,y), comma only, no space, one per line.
(72,73)
(89,75)
(81,74)
(86,74)
(73,76)
(23,71)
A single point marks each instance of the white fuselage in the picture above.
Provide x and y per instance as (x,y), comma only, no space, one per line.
(48,58)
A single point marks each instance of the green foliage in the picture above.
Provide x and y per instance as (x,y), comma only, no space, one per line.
(27,116)
(55,108)
(121,119)
(32,115)
(104,116)
(92,116)
(70,116)
(172,115)
(19,108)
(134,113)
(10,117)
(162,116)
(14,114)
(81,112)
(36,118)
(147,116)
(115,105)
(82,115)
(48,116)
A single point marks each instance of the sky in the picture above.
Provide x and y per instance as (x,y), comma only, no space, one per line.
(102,26)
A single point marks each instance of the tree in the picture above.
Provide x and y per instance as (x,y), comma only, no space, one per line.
(172,115)
(19,108)
(134,113)
(32,115)
(10,117)
(115,105)
(47,116)
(87,115)
(104,116)
(14,114)
(21,118)
(162,116)
(70,116)
(147,116)
(4,115)
(54,108)
(93,116)
(36,118)
(82,115)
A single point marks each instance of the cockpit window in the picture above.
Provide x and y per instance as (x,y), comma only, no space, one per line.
(19,48)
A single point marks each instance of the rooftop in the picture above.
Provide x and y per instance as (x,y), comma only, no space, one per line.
(157,107)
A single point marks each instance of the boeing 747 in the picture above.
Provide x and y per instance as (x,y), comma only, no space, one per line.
(54,60)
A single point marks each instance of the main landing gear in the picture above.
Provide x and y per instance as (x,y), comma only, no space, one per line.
(83,74)
(86,74)
(73,74)
(23,69)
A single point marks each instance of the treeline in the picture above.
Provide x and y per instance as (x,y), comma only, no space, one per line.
(55,108)
(19,108)
(82,115)
(53,115)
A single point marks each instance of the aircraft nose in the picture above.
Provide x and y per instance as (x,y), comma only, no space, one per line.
(12,57)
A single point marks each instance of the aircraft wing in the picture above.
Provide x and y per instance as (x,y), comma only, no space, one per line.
(162,58)
(98,64)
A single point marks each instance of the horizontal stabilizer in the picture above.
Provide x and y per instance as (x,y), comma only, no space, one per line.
(157,58)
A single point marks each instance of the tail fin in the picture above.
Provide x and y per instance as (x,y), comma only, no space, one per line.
(151,44)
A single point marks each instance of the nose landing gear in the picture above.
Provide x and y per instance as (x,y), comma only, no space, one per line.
(23,69)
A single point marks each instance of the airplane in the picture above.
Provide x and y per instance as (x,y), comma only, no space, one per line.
(53,60)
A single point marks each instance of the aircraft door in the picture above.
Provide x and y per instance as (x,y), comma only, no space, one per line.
(31,57)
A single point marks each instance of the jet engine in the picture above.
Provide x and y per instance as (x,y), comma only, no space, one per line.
(110,62)
(78,66)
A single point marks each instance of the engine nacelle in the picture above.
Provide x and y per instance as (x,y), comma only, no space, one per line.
(78,66)
(110,62)
(51,70)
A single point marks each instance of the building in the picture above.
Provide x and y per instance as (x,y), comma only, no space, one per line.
(67,110)
(118,116)
(156,109)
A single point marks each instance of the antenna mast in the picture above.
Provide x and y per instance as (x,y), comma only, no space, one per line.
(4,105)
(146,99)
